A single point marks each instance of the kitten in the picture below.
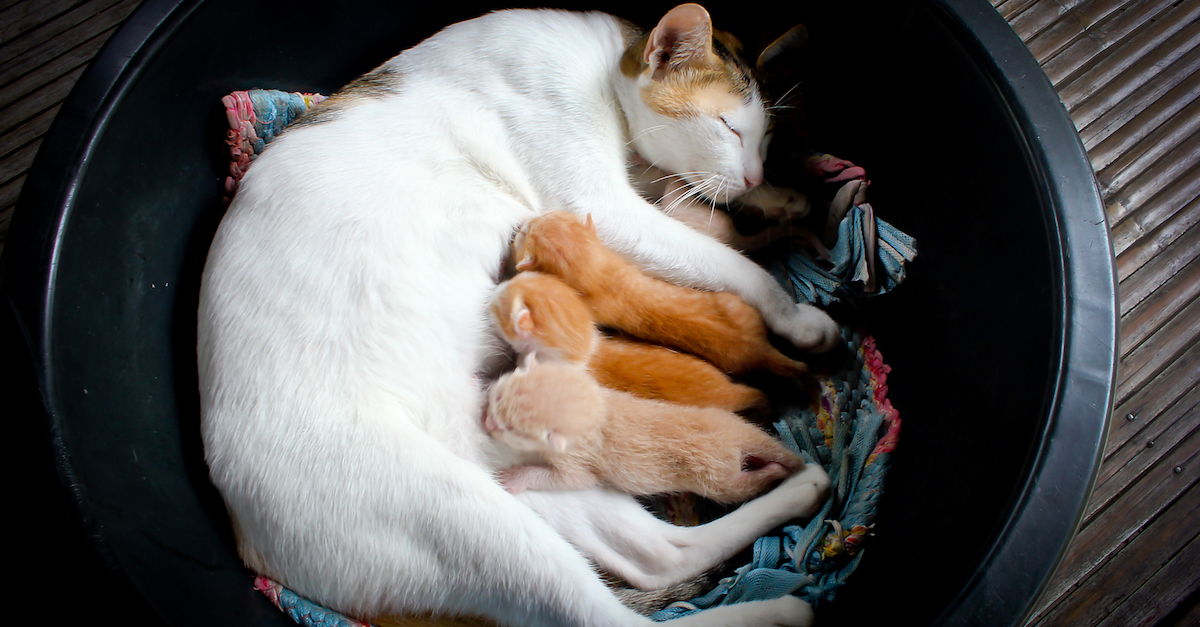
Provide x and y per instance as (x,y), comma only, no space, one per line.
(717,326)
(343,319)
(684,203)
(539,314)
(589,435)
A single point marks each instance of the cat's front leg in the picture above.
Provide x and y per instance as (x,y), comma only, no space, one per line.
(675,252)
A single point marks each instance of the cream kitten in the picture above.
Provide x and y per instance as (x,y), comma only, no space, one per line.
(587,435)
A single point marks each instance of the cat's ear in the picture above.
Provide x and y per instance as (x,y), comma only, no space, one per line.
(530,362)
(683,37)
(591,226)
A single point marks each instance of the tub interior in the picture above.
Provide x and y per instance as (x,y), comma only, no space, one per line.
(973,335)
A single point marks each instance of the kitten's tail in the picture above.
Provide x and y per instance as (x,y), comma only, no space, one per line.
(776,362)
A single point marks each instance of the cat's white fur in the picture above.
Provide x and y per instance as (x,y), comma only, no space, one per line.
(343,322)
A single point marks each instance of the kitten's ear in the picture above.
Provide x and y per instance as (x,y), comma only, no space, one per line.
(791,40)
(591,226)
(526,262)
(683,37)
(522,320)
(531,361)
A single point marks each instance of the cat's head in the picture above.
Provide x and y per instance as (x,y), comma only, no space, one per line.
(695,109)
(538,313)
(545,407)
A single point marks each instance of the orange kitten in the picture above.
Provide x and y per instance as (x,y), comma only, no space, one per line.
(718,326)
(538,313)
(587,435)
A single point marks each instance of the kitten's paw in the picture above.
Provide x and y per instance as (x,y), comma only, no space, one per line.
(806,491)
(810,329)
(511,479)
(781,204)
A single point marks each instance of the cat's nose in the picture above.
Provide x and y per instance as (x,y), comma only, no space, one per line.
(751,181)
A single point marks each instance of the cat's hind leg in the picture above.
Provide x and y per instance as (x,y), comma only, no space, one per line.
(624,538)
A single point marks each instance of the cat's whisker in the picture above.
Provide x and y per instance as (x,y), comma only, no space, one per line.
(645,131)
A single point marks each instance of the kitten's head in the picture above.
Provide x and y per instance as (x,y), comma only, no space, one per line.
(546,407)
(538,313)
(699,113)
(557,243)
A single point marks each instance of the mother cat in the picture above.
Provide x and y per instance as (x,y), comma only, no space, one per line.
(343,334)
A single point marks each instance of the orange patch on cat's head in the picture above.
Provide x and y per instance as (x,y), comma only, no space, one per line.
(686,68)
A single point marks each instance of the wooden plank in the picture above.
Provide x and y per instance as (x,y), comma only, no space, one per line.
(1151,229)
(1111,584)
(1151,276)
(1151,314)
(1139,86)
(1010,8)
(73,59)
(27,132)
(1152,400)
(1039,16)
(1167,185)
(26,16)
(10,191)
(1180,130)
(16,164)
(1105,51)
(1119,523)
(54,29)
(1186,615)
(1086,18)
(39,101)
(1153,356)
(1182,100)
(1166,589)
(15,64)
(1160,435)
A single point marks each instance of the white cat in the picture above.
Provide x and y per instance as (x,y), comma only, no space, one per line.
(343,319)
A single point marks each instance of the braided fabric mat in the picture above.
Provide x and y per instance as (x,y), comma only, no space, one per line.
(849,428)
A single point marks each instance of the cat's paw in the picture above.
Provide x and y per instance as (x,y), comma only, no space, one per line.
(810,329)
(781,204)
(805,491)
(787,611)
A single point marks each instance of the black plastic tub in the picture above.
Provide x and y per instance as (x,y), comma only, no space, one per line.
(1002,341)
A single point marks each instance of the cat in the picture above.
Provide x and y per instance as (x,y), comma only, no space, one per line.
(718,326)
(539,314)
(588,435)
(343,328)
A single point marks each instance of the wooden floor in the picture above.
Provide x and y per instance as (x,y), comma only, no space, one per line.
(1127,71)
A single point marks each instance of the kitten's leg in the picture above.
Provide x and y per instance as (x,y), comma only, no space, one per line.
(627,540)
(533,477)
(677,253)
